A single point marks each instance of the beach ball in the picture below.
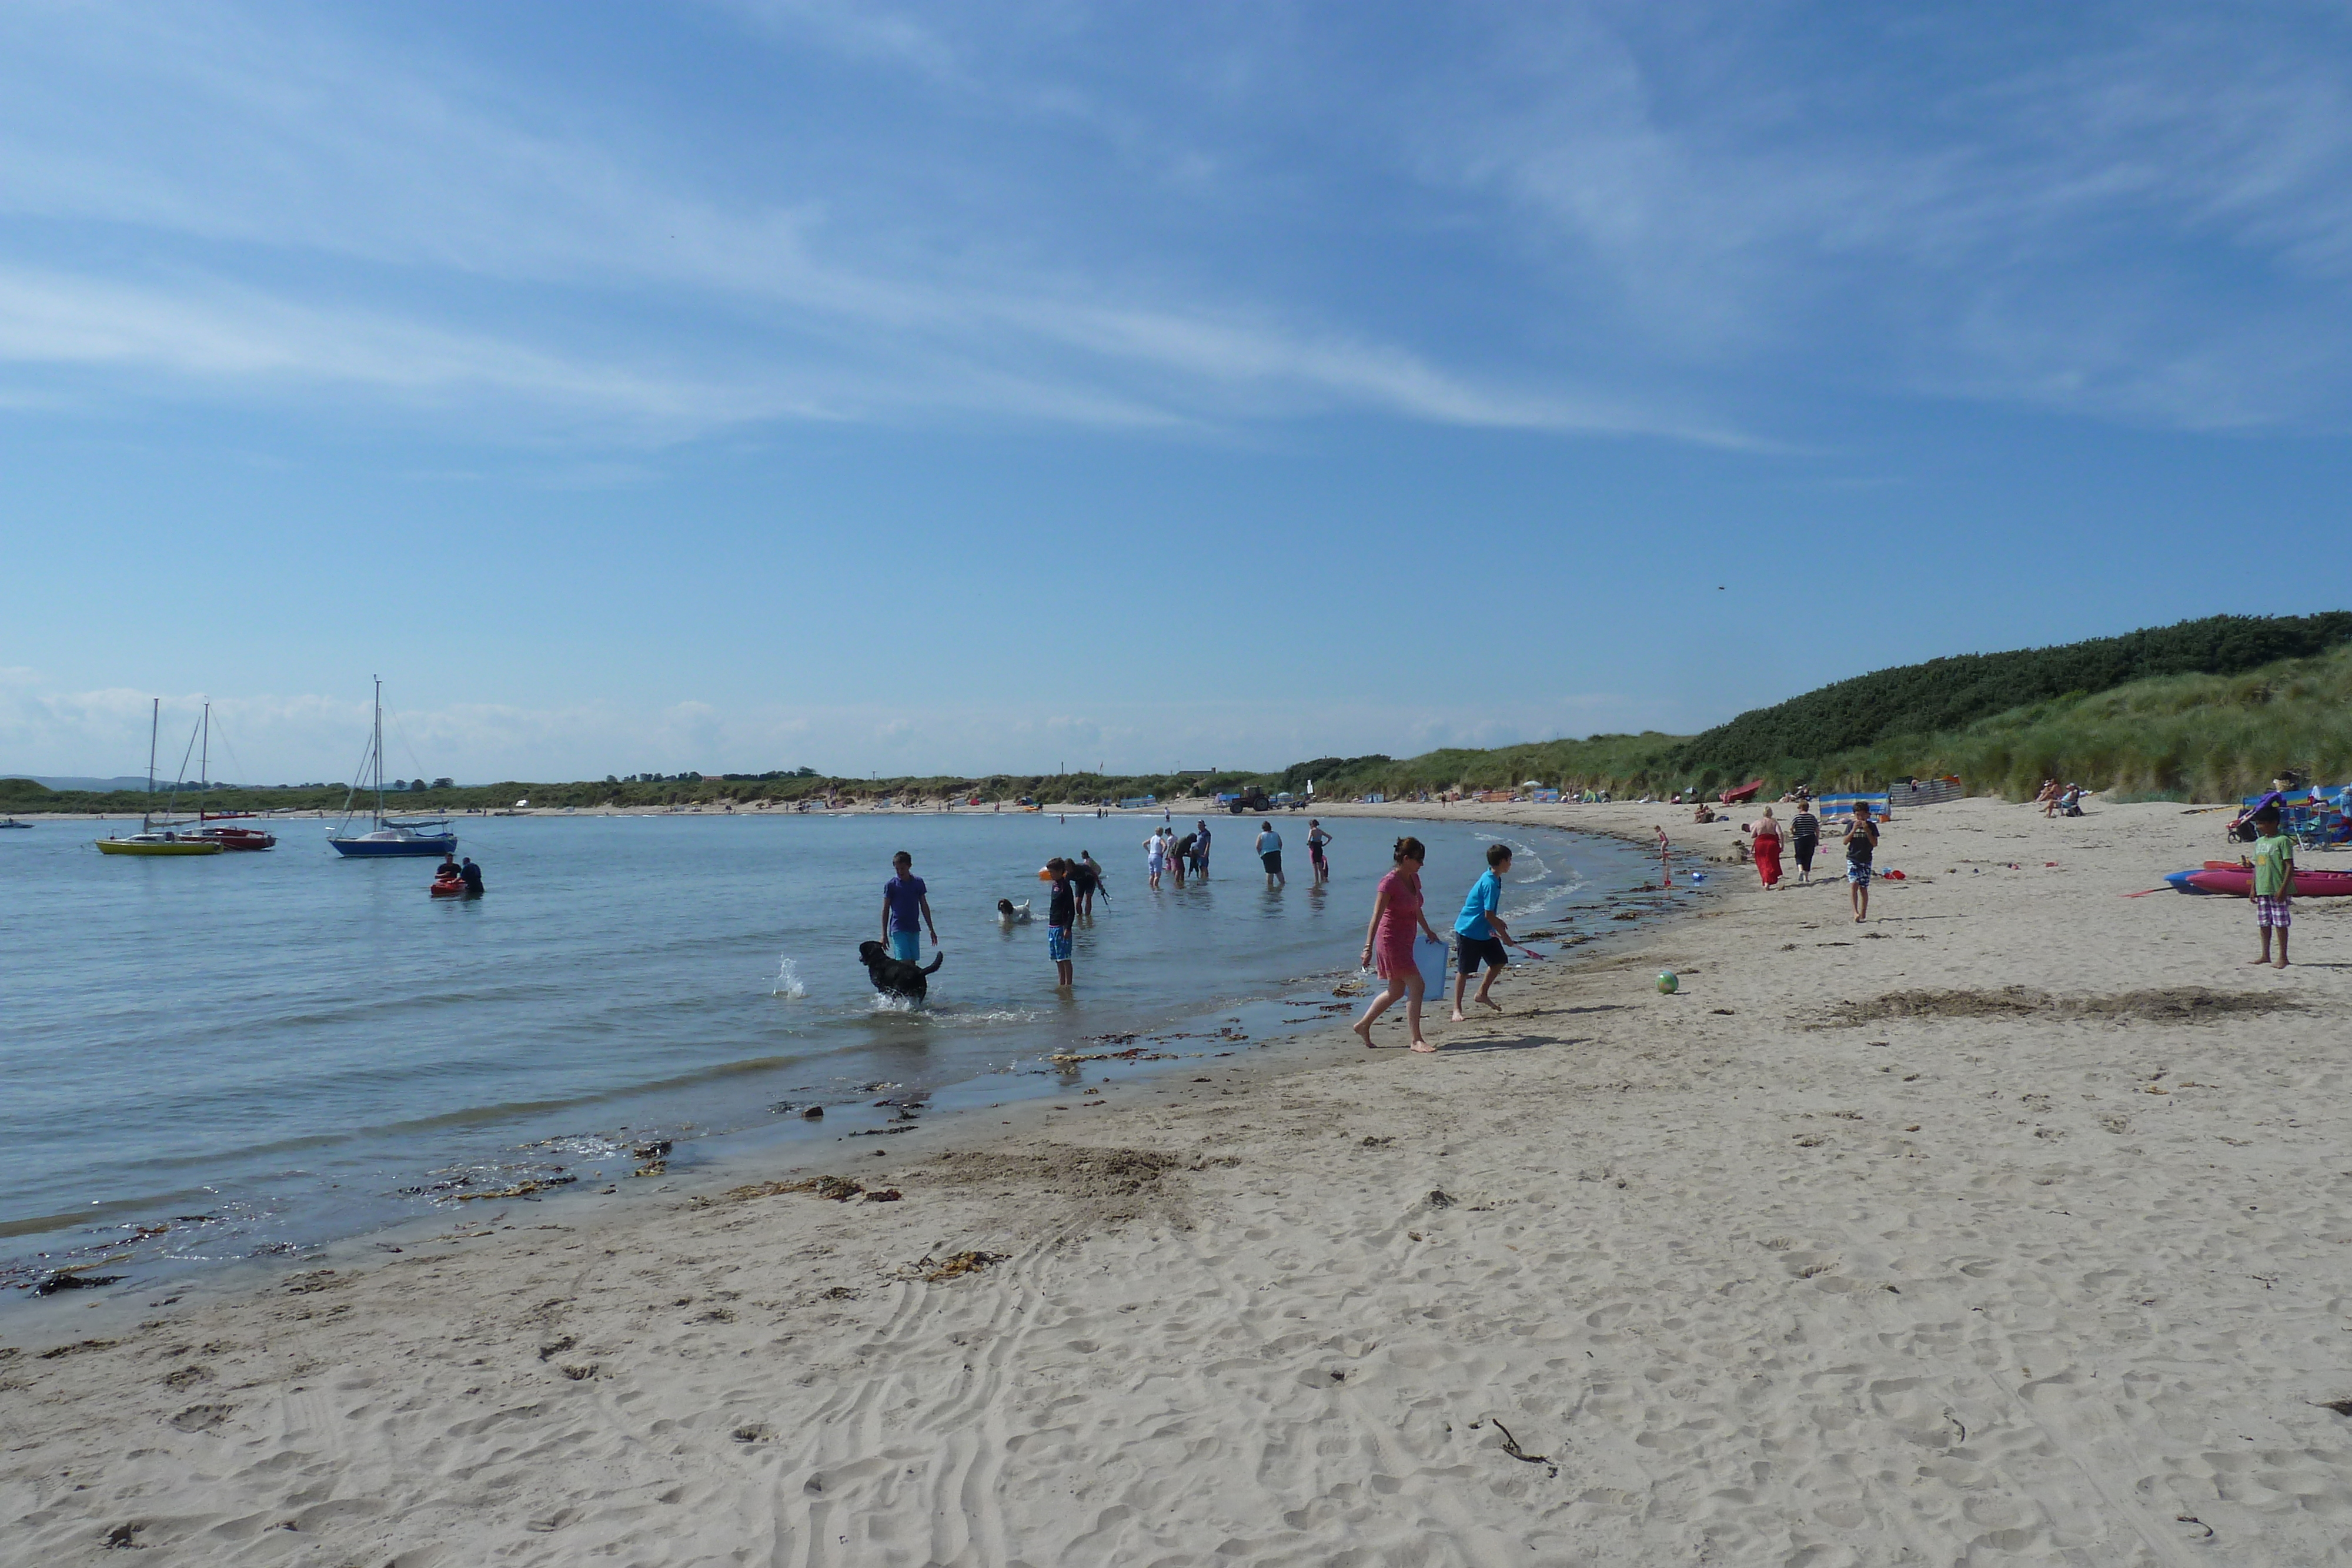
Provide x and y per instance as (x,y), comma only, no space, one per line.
(1668,984)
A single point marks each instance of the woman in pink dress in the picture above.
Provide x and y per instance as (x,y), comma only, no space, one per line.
(1387,943)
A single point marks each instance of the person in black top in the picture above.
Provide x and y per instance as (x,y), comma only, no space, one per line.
(1860,844)
(1804,836)
(472,875)
(1061,913)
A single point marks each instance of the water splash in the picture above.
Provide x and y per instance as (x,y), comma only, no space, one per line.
(789,984)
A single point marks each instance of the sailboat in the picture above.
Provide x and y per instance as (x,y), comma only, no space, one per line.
(387,837)
(227,838)
(166,840)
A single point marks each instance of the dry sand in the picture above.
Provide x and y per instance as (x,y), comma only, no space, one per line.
(2044,1260)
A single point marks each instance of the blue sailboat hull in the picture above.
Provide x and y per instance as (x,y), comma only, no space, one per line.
(442,845)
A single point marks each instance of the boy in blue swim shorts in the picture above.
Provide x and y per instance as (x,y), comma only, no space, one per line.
(1061,913)
(906,910)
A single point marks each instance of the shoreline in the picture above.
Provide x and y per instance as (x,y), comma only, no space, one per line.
(136,1236)
(2000,1274)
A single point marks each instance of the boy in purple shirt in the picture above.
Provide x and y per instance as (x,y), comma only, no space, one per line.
(906,910)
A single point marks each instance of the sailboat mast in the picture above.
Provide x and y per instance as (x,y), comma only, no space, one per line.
(154,722)
(205,765)
(379,752)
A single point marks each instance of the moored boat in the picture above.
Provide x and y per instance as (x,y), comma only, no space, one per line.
(387,837)
(151,839)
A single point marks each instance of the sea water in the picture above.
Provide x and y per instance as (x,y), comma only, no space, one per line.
(210,1058)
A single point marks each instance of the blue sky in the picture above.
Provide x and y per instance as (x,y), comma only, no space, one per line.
(745,385)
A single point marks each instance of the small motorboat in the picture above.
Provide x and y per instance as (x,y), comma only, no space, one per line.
(12,822)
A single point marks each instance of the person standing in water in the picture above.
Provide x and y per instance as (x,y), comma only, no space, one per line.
(471,875)
(1479,934)
(906,910)
(1269,853)
(1061,913)
(1201,850)
(1860,844)
(1155,852)
(1084,877)
(1388,944)
(1804,836)
(1317,838)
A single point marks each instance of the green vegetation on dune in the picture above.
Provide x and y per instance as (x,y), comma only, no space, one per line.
(1946,695)
(2205,709)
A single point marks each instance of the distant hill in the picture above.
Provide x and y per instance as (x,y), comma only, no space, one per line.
(95,786)
(1946,694)
(2204,709)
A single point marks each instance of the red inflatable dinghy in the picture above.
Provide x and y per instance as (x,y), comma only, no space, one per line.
(448,887)
(2238,881)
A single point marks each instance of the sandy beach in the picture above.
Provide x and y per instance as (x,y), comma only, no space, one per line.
(2003,1228)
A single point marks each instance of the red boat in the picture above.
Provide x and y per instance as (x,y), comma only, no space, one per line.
(236,838)
(1742,795)
(448,887)
(2238,880)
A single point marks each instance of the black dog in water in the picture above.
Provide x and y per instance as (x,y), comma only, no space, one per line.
(895,977)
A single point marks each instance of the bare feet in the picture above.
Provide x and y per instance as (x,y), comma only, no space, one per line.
(1424,1048)
(2258,963)
(1460,1017)
(1363,1029)
(2280,965)
(1491,1002)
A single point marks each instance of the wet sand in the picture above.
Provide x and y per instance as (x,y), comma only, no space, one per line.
(2006,1226)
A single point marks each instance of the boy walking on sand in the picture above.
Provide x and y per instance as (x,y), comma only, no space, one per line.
(1479,934)
(906,910)
(1860,845)
(1061,913)
(2274,882)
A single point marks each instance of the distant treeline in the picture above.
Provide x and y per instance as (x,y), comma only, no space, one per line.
(2204,710)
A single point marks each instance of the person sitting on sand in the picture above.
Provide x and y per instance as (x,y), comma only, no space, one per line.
(1706,813)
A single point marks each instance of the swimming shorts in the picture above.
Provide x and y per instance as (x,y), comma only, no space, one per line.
(907,945)
(2272,912)
(1469,952)
(1857,871)
(1057,943)
(1273,862)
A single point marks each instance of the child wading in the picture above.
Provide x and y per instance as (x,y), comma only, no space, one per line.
(1479,934)
(1061,913)
(2274,882)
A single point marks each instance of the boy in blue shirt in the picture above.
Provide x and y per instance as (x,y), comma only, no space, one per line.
(1479,934)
